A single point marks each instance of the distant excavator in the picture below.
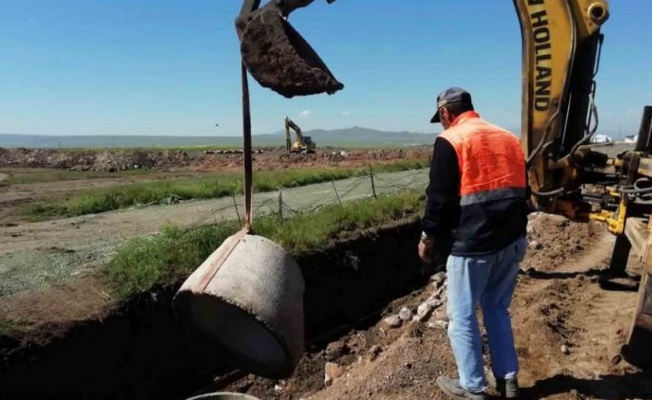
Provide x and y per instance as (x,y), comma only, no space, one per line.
(303,144)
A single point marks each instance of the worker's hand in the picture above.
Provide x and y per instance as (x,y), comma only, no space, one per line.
(424,251)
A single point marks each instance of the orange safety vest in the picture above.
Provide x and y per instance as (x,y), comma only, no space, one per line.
(491,160)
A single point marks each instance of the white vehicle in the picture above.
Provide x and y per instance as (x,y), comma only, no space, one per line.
(601,139)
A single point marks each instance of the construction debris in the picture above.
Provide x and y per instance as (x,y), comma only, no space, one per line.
(405,314)
(90,160)
(393,321)
(332,371)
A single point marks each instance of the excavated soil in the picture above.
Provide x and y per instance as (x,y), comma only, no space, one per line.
(569,333)
(279,58)
(89,160)
(264,159)
(273,160)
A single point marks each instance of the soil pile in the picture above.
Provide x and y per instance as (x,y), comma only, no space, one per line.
(568,330)
(279,159)
(89,160)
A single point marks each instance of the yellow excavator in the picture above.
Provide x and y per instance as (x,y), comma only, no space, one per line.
(561,43)
(303,144)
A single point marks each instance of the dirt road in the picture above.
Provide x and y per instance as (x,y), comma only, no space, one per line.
(34,255)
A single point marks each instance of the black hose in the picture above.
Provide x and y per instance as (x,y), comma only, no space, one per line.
(551,193)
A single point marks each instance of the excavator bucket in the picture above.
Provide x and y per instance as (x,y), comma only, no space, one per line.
(279,58)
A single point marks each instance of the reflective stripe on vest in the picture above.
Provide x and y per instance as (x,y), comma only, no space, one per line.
(491,160)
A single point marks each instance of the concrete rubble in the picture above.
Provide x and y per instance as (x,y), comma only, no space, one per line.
(433,306)
(332,371)
(405,314)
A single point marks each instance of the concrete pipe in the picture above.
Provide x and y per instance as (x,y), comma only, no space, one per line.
(223,396)
(246,302)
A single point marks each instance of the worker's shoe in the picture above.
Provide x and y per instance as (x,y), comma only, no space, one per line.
(452,388)
(507,388)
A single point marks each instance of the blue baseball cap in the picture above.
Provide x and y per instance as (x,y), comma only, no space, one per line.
(448,96)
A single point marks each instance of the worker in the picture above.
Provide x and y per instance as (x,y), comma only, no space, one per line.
(476,211)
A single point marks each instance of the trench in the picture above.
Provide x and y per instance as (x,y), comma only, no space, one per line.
(141,352)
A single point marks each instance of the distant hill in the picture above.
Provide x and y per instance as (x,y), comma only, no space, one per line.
(355,136)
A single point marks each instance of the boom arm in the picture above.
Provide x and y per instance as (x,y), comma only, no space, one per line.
(558,66)
(289,124)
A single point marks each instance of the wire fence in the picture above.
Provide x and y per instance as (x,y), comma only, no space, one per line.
(290,202)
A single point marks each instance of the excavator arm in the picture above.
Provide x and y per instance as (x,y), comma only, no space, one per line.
(558,67)
(289,124)
(302,143)
(559,115)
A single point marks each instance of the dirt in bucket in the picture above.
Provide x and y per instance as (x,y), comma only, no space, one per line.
(279,58)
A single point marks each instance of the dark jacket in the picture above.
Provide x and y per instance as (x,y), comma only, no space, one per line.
(473,229)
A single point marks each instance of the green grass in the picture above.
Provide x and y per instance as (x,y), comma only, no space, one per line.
(40,175)
(10,327)
(203,187)
(176,252)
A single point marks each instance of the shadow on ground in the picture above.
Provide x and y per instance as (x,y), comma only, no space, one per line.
(609,387)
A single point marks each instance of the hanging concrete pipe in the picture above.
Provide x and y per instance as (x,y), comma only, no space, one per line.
(246,302)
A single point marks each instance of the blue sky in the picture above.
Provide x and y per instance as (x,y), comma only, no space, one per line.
(164,67)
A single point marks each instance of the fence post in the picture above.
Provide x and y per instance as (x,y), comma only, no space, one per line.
(280,203)
(373,185)
(235,204)
(336,194)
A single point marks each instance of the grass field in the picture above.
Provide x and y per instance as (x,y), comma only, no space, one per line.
(206,186)
(40,175)
(175,252)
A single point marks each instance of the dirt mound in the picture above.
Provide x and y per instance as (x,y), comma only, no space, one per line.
(554,239)
(371,361)
(279,58)
(322,158)
(91,160)
(568,333)
(265,158)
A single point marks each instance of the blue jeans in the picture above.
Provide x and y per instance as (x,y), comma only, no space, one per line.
(490,281)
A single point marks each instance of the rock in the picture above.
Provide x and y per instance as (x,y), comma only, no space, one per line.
(332,371)
(423,311)
(439,324)
(374,352)
(434,302)
(336,350)
(405,314)
(565,349)
(438,279)
(440,314)
(533,244)
(393,321)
